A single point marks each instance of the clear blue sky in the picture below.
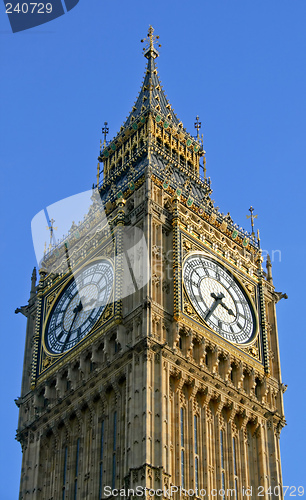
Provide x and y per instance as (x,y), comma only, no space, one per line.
(239,65)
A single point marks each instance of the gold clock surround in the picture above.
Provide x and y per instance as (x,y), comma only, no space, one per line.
(231,270)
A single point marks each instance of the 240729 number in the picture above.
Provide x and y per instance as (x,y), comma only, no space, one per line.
(29,8)
(291,491)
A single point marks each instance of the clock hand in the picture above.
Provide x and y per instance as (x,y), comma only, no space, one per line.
(76,310)
(92,301)
(97,302)
(230,312)
(218,298)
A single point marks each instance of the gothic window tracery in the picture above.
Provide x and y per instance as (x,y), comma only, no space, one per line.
(182,442)
(101,459)
(114,449)
(222,460)
(76,469)
(196,451)
(235,469)
(64,473)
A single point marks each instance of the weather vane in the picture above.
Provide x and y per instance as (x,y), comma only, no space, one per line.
(252,217)
(105,131)
(197,126)
(51,228)
(150,50)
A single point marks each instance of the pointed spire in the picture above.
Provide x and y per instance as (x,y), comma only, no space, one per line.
(151,95)
(151,104)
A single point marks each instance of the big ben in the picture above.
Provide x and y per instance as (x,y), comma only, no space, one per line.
(151,363)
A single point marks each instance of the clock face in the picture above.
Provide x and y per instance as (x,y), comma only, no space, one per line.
(219,299)
(79,307)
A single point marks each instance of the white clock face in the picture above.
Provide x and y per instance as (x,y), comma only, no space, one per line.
(219,299)
(79,307)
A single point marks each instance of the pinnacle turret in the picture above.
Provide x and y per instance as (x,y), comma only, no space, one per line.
(33,283)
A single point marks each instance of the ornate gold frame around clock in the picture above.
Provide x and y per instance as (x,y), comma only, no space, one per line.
(250,283)
(99,322)
(187,299)
(44,360)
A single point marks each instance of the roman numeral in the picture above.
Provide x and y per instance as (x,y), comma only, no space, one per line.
(60,336)
(204,268)
(195,271)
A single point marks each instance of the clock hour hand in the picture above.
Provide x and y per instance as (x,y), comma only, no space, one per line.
(218,300)
(76,310)
(230,312)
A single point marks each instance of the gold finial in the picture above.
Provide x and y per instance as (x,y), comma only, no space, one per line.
(258,238)
(51,228)
(150,50)
(45,248)
(197,126)
(252,217)
(269,269)
(204,167)
(98,174)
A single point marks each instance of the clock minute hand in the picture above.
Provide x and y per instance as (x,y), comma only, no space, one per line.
(218,300)
(76,310)
(89,303)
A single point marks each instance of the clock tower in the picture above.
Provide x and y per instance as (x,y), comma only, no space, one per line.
(151,357)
